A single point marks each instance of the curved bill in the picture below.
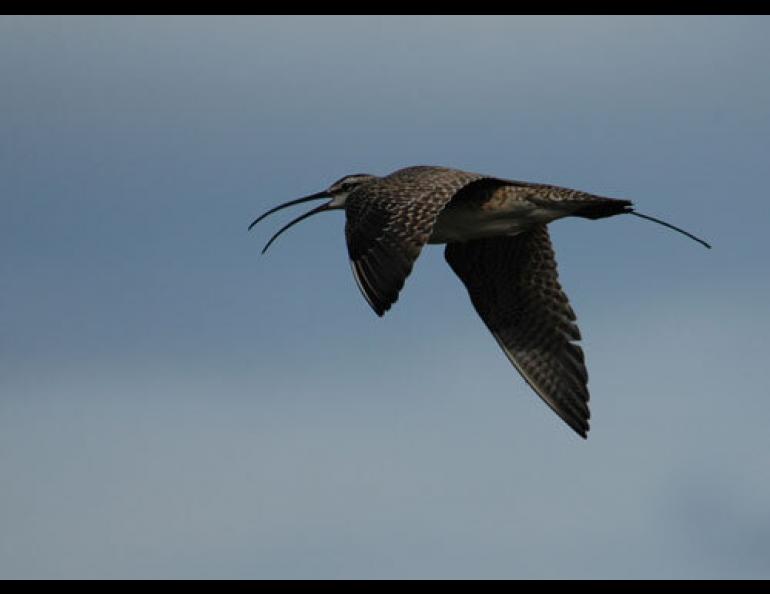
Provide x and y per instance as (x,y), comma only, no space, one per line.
(316,196)
(310,213)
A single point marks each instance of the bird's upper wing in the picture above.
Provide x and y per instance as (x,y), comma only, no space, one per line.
(514,286)
(388,222)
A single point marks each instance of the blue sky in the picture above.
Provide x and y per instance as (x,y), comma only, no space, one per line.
(172,404)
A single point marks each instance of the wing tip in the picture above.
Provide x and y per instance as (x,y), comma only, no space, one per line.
(578,420)
(372,297)
(578,424)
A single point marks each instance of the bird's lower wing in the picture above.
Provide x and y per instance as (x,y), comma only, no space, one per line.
(514,286)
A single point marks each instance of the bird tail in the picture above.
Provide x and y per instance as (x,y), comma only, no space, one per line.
(598,207)
(601,208)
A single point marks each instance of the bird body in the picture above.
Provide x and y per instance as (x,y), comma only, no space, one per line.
(497,242)
(503,210)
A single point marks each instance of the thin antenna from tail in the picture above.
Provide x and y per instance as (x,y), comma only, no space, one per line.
(670,226)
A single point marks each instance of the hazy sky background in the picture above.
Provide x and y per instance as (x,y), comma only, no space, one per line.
(174,405)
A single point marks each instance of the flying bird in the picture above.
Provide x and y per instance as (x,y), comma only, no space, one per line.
(497,242)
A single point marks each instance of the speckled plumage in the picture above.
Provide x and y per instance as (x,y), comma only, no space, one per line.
(512,280)
(514,286)
(389,220)
(496,242)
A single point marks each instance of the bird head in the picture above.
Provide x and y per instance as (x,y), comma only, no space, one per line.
(337,194)
(341,189)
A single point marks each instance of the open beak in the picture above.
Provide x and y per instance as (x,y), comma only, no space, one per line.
(316,210)
(316,196)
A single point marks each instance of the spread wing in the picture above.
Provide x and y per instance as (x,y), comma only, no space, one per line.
(390,220)
(514,286)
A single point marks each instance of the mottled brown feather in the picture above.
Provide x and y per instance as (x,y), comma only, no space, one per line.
(389,220)
(513,284)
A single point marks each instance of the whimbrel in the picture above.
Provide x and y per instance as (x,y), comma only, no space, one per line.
(496,241)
